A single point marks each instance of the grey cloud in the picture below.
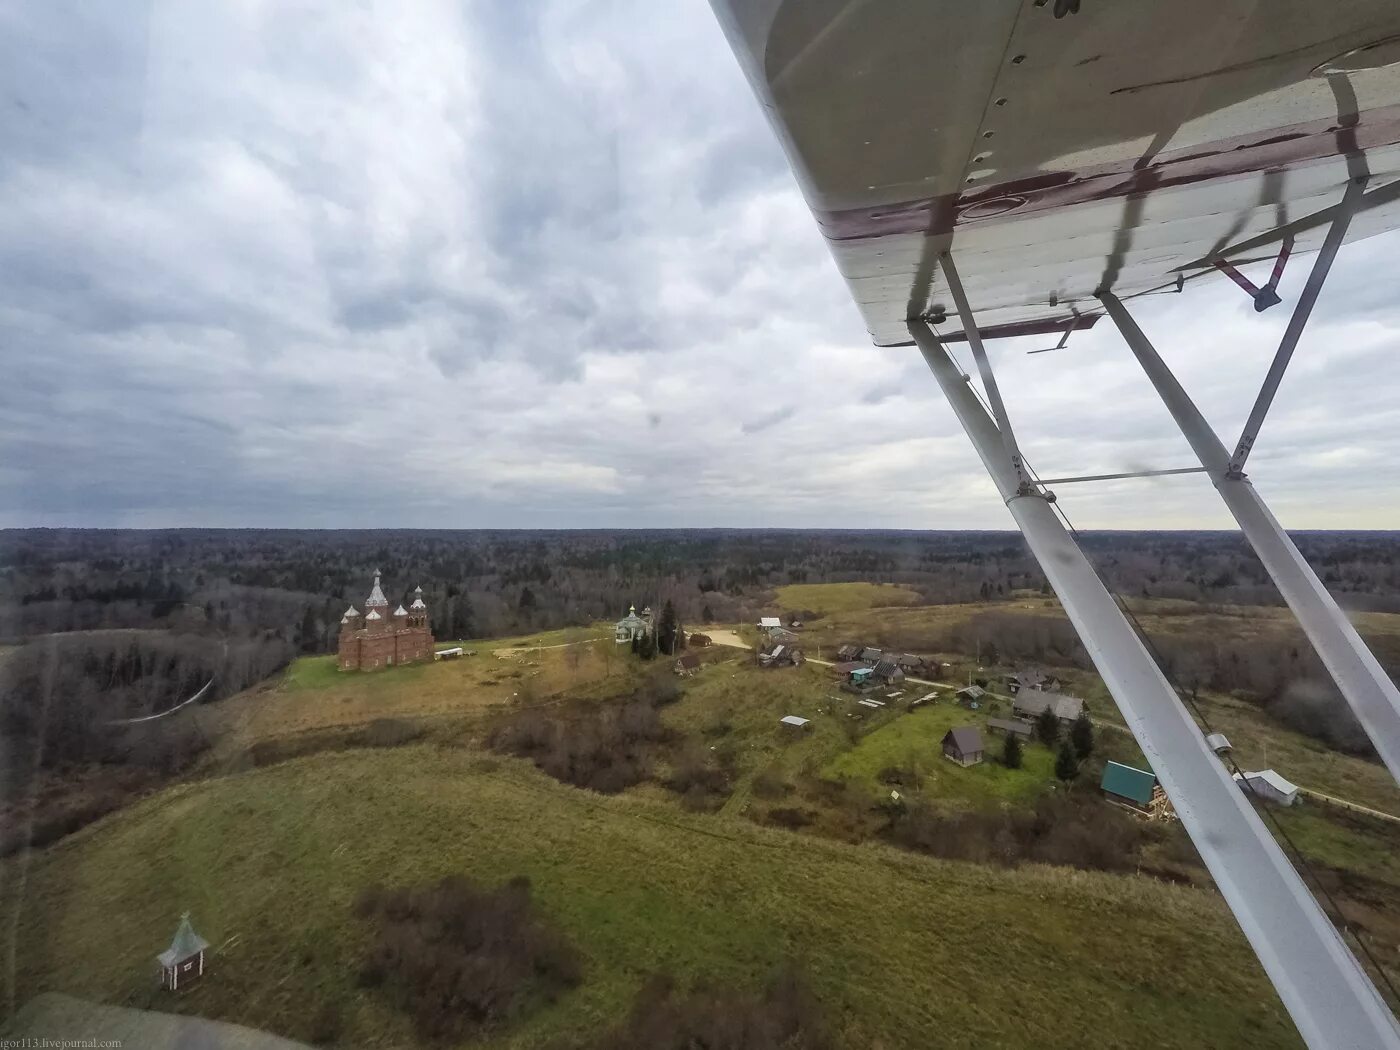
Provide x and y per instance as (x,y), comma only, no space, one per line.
(767,422)
(528,264)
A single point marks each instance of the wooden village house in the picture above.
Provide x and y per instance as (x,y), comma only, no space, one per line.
(781,656)
(183,962)
(1029,703)
(1031,678)
(889,672)
(1135,789)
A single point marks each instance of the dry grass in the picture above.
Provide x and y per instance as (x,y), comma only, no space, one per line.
(902,950)
(315,696)
(829,598)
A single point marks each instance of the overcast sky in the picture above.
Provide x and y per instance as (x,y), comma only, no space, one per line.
(458,264)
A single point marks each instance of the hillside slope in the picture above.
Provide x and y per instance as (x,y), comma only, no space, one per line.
(902,950)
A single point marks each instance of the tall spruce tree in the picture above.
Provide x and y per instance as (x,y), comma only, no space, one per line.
(666,630)
(1047,727)
(1066,764)
(1011,752)
(1081,735)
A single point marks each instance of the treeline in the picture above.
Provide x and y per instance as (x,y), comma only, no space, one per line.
(1264,660)
(71,698)
(489,583)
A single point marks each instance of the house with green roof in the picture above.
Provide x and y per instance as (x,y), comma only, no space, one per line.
(1135,789)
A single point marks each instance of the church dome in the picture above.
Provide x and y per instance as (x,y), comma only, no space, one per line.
(376,596)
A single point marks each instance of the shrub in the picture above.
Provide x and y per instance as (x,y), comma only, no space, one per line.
(528,734)
(768,784)
(458,958)
(1065,830)
(789,817)
(389,732)
(326,1024)
(698,779)
(1317,710)
(608,750)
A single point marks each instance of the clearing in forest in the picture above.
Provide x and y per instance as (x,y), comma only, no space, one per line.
(828,598)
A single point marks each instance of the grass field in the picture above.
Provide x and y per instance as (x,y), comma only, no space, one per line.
(829,598)
(903,951)
(914,739)
(314,695)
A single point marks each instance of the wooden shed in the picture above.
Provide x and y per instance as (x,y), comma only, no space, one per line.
(1012,727)
(970,695)
(963,745)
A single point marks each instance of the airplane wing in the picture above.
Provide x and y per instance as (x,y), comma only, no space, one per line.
(1117,147)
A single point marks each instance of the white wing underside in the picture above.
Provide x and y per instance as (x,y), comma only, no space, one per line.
(1113,149)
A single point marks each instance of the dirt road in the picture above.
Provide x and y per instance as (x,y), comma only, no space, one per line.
(722,637)
(520,650)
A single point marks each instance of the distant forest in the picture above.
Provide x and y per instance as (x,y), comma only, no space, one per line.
(294,585)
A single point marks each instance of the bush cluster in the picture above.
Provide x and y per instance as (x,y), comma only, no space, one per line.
(605,750)
(1065,829)
(458,958)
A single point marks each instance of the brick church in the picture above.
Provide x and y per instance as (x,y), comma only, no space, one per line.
(381,639)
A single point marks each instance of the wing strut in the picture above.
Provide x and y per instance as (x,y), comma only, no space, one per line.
(984,368)
(1301,312)
(1331,1000)
(1362,681)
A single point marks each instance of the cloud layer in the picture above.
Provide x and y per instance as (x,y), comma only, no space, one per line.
(539,265)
